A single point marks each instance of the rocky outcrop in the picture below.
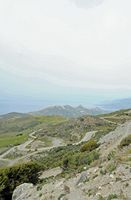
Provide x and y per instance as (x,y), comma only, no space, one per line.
(23,192)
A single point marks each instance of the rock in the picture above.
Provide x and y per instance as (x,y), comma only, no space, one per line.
(111,183)
(100,188)
(112,176)
(22,192)
(82,178)
(95,170)
(66,189)
(59,184)
(98,194)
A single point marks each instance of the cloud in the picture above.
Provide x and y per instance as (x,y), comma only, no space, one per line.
(61,72)
(87,3)
(56,43)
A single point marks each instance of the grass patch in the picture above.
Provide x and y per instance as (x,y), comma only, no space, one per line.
(28,123)
(9,140)
(53,120)
(15,131)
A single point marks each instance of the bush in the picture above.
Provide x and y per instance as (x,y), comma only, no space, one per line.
(89,146)
(111,167)
(125,142)
(101,198)
(111,155)
(78,160)
(65,163)
(12,177)
(112,196)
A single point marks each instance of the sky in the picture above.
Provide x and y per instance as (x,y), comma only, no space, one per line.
(63,52)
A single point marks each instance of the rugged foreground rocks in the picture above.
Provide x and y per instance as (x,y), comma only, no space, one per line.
(106,179)
(23,192)
(92,184)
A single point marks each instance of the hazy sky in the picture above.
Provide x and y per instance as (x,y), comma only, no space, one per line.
(64,51)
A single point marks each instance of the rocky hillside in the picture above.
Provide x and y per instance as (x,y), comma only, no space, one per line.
(106,178)
(94,163)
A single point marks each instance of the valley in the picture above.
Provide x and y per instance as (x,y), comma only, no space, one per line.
(82,157)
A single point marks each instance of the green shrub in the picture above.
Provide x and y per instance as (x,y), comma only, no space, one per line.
(12,177)
(111,155)
(111,167)
(103,172)
(65,163)
(125,142)
(89,146)
(79,160)
(101,197)
(112,196)
(60,197)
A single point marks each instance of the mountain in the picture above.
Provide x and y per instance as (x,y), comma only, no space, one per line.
(69,111)
(117,104)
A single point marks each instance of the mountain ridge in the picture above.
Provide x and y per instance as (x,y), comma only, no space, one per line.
(69,111)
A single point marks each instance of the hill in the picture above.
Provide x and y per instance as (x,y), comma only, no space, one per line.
(14,115)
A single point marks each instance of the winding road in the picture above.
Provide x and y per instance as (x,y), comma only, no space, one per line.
(22,147)
(116,136)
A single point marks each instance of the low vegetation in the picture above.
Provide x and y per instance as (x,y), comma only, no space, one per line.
(112,196)
(73,130)
(104,130)
(70,158)
(29,122)
(14,131)
(111,167)
(125,142)
(118,117)
(9,140)
(89,146)
(11,177)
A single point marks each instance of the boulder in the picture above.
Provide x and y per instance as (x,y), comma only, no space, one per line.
(22,192)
